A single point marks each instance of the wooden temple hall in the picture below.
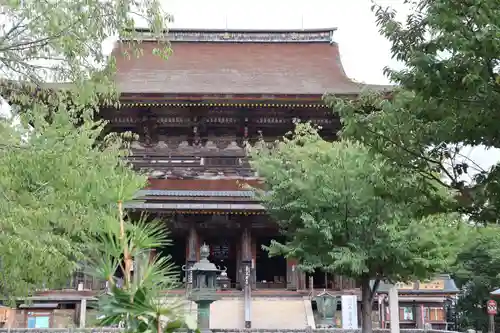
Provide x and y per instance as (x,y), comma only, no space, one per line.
(194,114)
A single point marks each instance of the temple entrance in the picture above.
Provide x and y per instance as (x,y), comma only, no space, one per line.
(270,271)
(320,279)
(223,254)
(177,253)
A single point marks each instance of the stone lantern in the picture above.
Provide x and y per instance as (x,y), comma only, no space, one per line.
(327,307)
(204,292)
(223,281)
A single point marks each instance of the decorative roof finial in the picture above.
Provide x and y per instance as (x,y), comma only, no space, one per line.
(204,251)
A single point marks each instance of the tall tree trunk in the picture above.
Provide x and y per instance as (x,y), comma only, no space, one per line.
(366,305)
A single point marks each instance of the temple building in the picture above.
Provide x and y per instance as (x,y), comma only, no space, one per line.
(194,114)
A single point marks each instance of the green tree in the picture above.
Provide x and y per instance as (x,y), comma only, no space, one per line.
(350,212)
(60,174)
(448,97)
(58,187)
(43,41)
(139,305)
(477,274)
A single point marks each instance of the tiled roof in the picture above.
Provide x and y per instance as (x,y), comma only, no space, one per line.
(245,63)
(188,193)
(192,206)
(449,287)
(217,185)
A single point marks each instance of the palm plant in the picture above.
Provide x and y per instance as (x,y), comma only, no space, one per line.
(138,304)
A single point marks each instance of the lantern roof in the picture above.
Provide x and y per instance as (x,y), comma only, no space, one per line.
(204,265)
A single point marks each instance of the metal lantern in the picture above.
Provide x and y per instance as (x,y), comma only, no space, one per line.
(204,277)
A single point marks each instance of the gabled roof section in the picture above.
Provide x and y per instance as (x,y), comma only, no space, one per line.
(441,284)
(236,62)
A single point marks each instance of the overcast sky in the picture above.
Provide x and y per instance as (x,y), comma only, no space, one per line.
(364,52)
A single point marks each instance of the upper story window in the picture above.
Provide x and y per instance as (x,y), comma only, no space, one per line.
(406,313)
(434,314)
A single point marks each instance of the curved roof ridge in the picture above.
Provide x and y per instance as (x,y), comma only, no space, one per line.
(273,30)
(323,35)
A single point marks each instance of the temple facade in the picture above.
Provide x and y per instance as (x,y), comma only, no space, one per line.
(194,114)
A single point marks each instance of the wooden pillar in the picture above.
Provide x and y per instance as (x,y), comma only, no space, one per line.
(254,263)
(301,280)
(419,315)
(239,271)
(246,258)
(291,274)
(192,253)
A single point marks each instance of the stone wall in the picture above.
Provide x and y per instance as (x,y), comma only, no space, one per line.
(114,330)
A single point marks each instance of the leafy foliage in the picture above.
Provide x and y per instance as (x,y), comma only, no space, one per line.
(476,273)
(139,305)
(58,188)
(348,211)
(61,174)
(62,41)
(447,97)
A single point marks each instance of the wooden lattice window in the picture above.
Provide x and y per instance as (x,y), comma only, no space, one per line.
(434,314)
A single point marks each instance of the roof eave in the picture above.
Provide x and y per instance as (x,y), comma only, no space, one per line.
(314,30)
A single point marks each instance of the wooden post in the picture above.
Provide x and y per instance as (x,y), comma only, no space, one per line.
(246,263)
(311,286)
(83,312)
(394,309)
(246,257)
(192,255)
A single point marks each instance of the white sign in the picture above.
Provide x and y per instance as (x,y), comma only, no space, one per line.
(349,312)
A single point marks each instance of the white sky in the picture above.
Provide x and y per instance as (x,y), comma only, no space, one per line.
(364,52)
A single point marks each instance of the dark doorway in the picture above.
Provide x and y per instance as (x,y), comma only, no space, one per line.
(177,253)
(319,279)
(270,271)
(223,254)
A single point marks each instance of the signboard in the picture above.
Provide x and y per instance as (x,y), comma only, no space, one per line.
(491,307)
(349,312)
(405,286)
(220,251)
(431,285)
